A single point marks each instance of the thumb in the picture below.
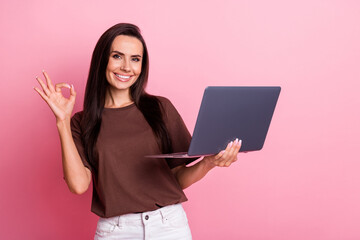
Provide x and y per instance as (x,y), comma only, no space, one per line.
(61,85)
(72,93)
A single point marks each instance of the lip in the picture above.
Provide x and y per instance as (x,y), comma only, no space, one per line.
(123,79)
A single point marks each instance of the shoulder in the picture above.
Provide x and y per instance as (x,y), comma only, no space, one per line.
(77,116)
(76,119)
(169,110)
(165,103)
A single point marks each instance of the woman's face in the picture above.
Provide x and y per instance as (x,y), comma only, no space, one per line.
(124,66)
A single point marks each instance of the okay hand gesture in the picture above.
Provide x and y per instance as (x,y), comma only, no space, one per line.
(61,106)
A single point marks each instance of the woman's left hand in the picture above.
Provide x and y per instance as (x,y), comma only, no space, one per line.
(189,175)
(226,157)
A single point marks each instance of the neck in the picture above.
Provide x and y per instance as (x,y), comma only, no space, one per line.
(117,99)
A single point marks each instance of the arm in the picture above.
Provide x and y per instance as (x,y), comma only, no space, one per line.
(186,176)
(76,175)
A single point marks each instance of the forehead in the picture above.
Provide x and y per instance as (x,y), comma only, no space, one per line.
(127,45)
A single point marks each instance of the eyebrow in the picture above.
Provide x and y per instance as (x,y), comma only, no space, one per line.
(120,53)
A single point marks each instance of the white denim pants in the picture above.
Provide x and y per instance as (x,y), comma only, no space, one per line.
(166,223)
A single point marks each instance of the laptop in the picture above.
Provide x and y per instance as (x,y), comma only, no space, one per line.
(227,113)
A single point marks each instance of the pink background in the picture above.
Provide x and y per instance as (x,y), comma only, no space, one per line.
(304,184)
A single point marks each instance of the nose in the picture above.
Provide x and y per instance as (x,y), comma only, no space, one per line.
(125,66)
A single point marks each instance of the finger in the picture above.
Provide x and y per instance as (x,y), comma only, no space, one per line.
(229,148)
(43,86)
(240,144)
(221,159)
(237,146)
(232,154)
(221,154)
(42,94)
(233,147)
(227,164)
(72,93)
(229,154)
(58,86)
(231,158)
(215,159)
(48,81)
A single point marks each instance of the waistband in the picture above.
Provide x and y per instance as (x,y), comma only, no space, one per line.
(140,218)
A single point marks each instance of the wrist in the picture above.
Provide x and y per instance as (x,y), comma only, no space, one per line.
(63,123)
(208,163)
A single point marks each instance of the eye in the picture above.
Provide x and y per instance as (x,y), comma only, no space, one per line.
(116,56)
(136,59)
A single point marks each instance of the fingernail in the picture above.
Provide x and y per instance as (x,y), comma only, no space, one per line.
(36,77)
(72,86)
(43,70)
(240,141)
(68,85)
(236,140)
(231,143)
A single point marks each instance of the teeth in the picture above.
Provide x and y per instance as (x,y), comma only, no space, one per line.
(121,76)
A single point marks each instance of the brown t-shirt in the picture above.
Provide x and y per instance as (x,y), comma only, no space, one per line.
(126,181)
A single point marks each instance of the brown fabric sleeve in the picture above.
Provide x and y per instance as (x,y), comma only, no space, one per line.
(76,134)
(179,134)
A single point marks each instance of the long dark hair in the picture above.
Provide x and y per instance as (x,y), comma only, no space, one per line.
(97,85)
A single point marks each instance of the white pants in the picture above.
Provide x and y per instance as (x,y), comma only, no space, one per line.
(166,223)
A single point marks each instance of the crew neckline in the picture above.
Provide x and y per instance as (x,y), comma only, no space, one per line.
(120,108)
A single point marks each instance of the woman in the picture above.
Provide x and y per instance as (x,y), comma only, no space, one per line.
(135,197)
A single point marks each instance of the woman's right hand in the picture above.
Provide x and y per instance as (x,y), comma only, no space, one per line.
(61,106)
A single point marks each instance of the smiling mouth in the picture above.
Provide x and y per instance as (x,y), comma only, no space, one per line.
(122,78)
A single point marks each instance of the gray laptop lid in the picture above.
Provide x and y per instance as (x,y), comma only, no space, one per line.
(227,113)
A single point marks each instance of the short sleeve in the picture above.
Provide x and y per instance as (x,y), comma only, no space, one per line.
(178,132)
(76,134)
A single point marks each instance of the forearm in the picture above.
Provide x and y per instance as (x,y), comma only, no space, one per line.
(76,175)
(186,176)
